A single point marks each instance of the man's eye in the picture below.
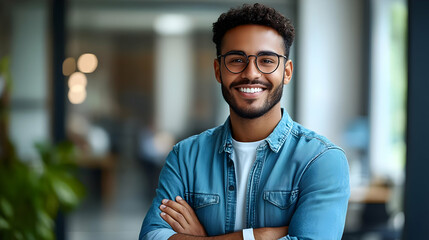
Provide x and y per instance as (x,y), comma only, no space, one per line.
(266,61)
(236,60)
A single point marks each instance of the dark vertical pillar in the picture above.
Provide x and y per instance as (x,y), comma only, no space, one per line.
(58,89)
(417,166)
(58,81)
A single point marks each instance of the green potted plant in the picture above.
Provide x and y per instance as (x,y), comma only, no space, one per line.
(32,194)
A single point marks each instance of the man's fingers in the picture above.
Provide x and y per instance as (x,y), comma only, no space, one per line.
(178,207)
(181,217)
(174,214)
(173,223)
(186,205)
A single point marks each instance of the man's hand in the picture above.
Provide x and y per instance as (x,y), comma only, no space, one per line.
(181,217)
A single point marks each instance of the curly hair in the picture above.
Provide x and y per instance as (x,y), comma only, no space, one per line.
(253,14)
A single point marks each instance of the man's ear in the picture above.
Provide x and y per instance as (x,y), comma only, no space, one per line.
(216,66)
(288,72)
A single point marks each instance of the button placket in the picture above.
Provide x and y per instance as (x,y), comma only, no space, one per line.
(231,200)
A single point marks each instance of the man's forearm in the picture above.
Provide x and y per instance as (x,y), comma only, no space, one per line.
(230,236)
(266,233)
(183,220)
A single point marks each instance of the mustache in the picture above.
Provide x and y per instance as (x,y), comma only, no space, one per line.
(248,81)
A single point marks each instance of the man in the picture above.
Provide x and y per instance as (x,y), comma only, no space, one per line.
(260,175)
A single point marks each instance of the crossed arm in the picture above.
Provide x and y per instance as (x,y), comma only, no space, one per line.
(182,218)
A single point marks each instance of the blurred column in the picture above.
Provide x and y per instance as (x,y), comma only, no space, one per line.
(58,29)
(330,53)
(173,73)
(381,110)
(417,167)
(380,73)
(29,119)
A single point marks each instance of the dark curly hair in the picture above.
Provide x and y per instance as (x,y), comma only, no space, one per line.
(253,14)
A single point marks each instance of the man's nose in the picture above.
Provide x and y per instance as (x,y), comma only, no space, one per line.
(251,71)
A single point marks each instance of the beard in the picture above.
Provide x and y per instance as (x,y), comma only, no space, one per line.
(250,112)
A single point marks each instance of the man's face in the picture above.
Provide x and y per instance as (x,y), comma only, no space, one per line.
(251,94)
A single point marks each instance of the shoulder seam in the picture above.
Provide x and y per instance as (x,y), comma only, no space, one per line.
(333,147)
(327,144)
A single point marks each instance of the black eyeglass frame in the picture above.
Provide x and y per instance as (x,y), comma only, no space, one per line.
(248,61)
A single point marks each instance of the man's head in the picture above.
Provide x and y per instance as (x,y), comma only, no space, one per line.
(257,14)
(252,65)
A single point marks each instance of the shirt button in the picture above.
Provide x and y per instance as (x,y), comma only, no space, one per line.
(231,188)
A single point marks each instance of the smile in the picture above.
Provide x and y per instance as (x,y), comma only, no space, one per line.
(250,90)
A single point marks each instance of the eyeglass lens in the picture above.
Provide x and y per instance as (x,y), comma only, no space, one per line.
(266,63)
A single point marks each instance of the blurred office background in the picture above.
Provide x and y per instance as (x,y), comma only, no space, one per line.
(126,79)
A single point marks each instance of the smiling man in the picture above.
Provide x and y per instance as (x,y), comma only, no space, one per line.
(260,175)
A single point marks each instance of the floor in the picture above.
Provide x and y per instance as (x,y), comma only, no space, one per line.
(119,218)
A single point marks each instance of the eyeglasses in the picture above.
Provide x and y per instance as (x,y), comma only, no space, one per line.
(237,62)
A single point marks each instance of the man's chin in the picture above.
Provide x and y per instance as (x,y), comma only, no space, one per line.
(249,113)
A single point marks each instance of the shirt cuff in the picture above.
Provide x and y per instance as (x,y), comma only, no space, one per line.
(288,238)
(159,234)
(248,234)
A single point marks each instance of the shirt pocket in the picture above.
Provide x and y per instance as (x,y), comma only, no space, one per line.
(206,207)
(201,200)
(279,207)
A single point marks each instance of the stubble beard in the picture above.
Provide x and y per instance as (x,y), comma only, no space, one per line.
(251,112)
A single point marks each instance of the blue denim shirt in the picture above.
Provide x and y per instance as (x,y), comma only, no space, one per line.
(299,179)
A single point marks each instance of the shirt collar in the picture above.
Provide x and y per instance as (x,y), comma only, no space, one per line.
(227,137)
(275,140)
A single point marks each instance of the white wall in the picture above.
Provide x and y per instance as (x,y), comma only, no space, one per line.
(329,53)
(173,82)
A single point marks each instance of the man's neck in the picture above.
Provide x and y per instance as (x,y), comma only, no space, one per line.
(251,130)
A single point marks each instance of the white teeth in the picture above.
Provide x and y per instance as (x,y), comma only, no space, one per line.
(250,90)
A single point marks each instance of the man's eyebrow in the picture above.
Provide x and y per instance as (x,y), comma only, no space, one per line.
(236,52)
(266,53)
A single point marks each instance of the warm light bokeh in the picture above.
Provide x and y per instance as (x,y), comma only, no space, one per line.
(77,78)
(69,66)
(77,94)
(87,63)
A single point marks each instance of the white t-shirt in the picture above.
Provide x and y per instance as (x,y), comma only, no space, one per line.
(244,155)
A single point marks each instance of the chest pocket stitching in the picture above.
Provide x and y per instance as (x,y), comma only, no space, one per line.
(200,200)
(281,199)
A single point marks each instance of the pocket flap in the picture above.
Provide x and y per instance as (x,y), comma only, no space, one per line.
(281,199)
(200,200)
